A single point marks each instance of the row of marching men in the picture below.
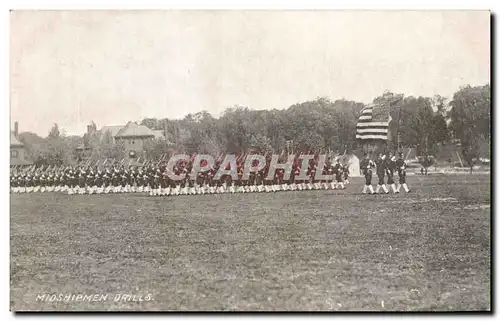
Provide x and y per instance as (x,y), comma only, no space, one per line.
(155,180)
(385,166)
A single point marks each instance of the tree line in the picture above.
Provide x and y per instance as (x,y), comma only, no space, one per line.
(423,123)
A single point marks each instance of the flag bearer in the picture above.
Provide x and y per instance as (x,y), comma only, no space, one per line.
(390,168)
(381,169)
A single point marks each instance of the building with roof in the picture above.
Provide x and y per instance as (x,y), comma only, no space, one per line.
(17,149)
(110,131)
(134,136)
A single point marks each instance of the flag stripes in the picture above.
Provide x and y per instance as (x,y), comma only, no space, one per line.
(373,130)
(368,128)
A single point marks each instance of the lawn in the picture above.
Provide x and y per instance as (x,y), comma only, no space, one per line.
(309,250)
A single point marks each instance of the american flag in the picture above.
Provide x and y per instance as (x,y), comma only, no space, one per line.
(373,122)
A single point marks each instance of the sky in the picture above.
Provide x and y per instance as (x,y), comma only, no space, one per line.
(110,67)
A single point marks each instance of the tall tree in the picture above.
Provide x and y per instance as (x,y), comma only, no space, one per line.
(54,132)
(152,123)
(470,119)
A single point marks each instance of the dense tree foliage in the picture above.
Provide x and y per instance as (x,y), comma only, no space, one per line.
(318,125)
(425,123)
(470,116)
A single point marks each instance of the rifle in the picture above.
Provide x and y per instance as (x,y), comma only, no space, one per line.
(408,154)
(104,164)
(37,170)
(29,169)
(161,158)
(47,169)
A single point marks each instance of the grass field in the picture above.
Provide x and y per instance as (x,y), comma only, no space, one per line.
(311,250)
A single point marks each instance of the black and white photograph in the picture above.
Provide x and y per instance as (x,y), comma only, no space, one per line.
(250,160)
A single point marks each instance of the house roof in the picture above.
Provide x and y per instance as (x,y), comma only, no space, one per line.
(134,130)
(113,129)
(14,142)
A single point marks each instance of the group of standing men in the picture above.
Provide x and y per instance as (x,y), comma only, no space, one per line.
(384,165)
(155,180)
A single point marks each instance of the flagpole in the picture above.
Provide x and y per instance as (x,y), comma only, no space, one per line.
(397,130)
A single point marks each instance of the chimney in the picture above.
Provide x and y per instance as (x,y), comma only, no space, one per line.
(89,129)
(16,128)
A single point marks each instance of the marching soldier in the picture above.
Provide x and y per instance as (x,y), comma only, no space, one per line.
(155,186)
(401,168)
(21,183)
(70,182)
(115,180)
(106,177)
(165,184)
(390,168)
(300,183)
(281,180)
(324,183)
(50,182)
(123,180)
(338,174)
(366,167)
(57,181)
(140,181)
(147,177)
(82,179)
(254,180)
(186,181)
(176,184)
(13,183)
(345,170)
(381,169)
(239,183)
(331,172)
(43,182)
(28,183)
(312,173)
(91,188)
(36,182)
(257,179)
(134,173)
(99,182)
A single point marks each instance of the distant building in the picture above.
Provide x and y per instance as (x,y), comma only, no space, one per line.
(110,131)
(17,149)
(133,136)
